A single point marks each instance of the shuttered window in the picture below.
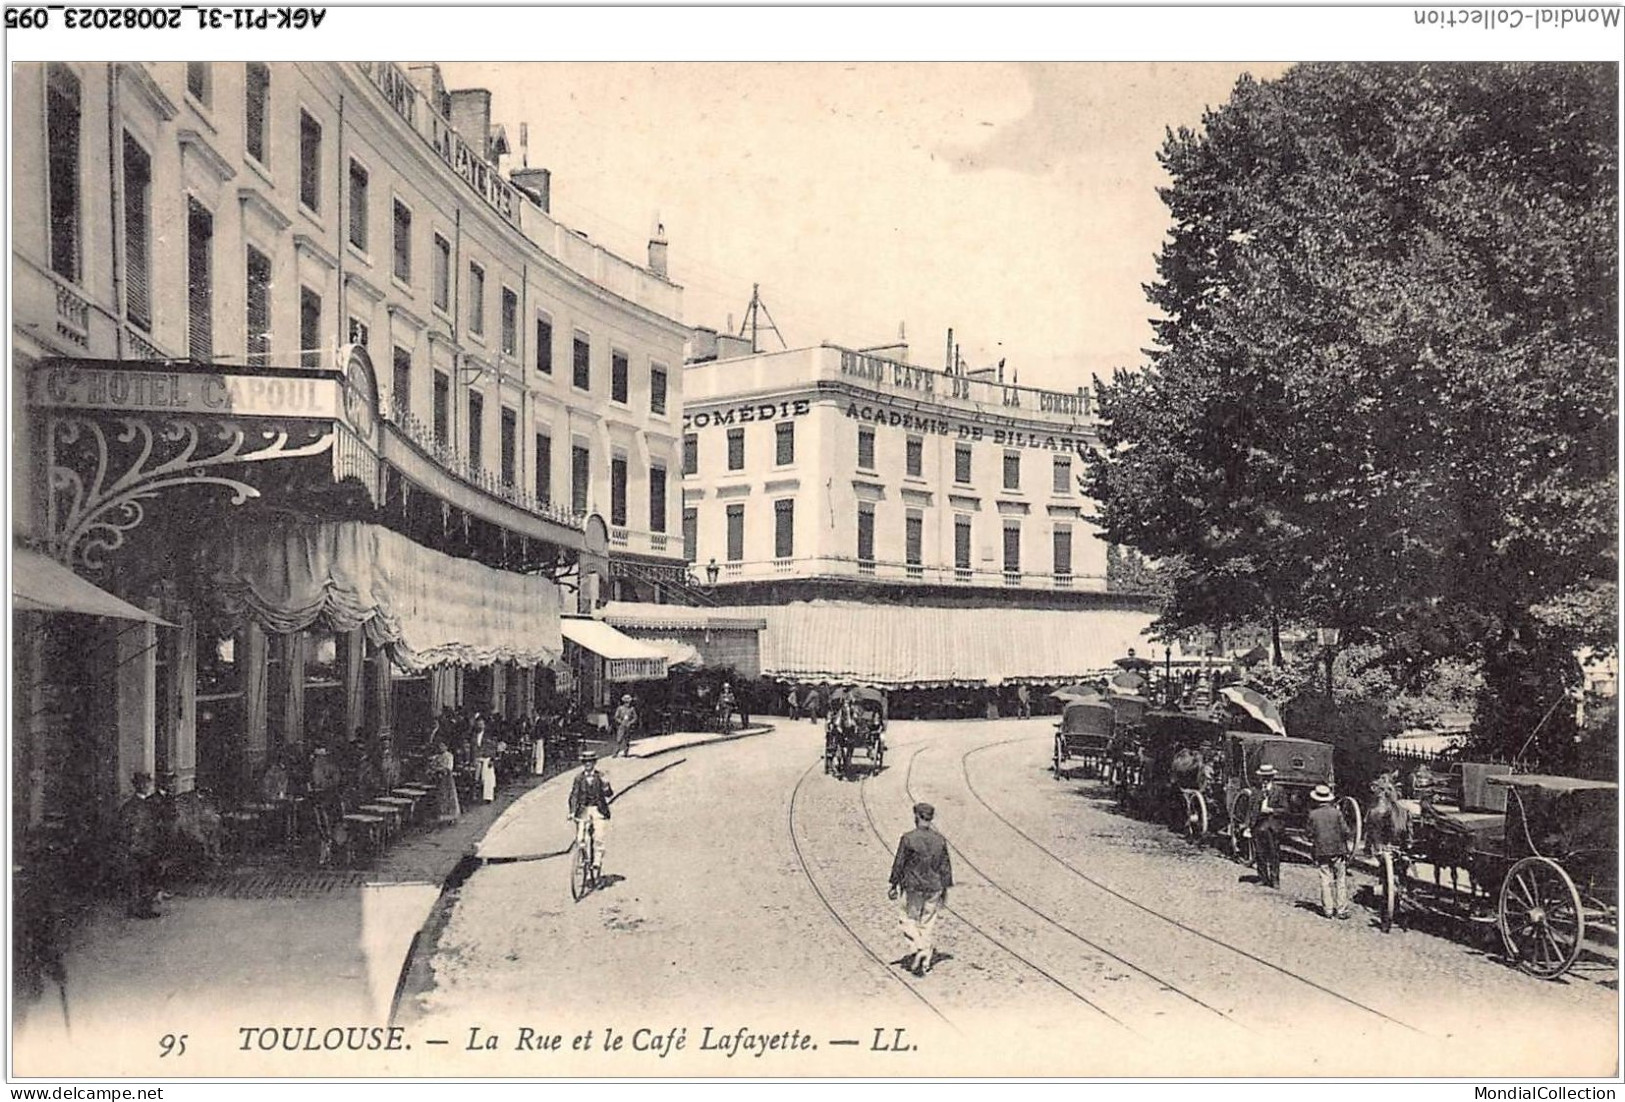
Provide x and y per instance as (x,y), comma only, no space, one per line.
(618,372)
(736,533)
(580,352)
(476,429)
(62,168)
(736,449)
(784,443)
(914,457)
(199,81)
(442,408)
(617,491)
(510,322)
(866,533)
(310,161)
(691,535)
(358,206)
(657,498)
(866,449)
(784,528)
(962,543)
(476,299)
(1063,551)
(258,316)
(137,234)
(1012,549)
(580,473)
(544,468)
(310,328)
(691,453)
(256,111)
(657,390)
(544,346)
(199,282)
(913,538)
(442,273)
(1063,474)
(1012,470)
(403,242)
(510,446)
(401,392)
(962,464)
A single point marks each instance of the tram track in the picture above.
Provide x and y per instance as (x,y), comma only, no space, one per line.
(1137,905)
(982,931)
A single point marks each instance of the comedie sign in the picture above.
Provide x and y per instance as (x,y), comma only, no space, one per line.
(745,414)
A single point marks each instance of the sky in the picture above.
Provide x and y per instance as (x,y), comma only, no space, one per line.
(1016,203)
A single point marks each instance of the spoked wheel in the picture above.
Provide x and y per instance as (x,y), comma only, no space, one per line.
(1349,809)
(1241,846)
(1195,816)
(1390,890)
(580,872)
(1542,922)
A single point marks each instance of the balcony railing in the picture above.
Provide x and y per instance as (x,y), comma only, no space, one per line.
(908,573)
(72,315)
(483,478)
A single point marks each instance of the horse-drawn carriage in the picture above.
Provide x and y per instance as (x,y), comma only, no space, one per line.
(856,725)
(1126,767)
(1300,765)
(1085,732)
(1544,870)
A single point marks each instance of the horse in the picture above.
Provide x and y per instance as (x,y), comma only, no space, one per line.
(1387,821)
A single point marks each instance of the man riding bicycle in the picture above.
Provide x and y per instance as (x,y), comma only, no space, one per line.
(589,803)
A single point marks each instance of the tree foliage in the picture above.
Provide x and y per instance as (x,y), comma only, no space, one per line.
(1383,391)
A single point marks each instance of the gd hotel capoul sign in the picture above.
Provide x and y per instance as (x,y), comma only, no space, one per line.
(260,395)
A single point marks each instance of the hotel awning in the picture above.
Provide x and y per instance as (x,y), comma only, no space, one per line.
(679,655)
(900,646)
(40,584)
(625,658)
(426,607)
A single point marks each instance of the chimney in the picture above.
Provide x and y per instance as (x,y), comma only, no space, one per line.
(952,367)
(471,117)
(537,183)
(657,251)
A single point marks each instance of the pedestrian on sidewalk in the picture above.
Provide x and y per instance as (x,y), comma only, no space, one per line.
(1332,846)
(481,749)
(793,700)
(139,829)
(1024,701)
(443,772)
(1266,829)
(626,718)
(922,873)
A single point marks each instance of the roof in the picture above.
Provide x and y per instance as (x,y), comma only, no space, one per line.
(1549,783)
(636,614)
(912,645)
(40,584)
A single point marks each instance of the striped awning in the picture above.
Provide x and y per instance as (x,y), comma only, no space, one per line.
(900,646)
(625,658)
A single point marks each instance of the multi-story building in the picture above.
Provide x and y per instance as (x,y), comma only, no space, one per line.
(897,523)
(306,378)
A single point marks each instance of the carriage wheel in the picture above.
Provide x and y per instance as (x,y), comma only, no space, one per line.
(1195,816)
(1241,847)
(1390,892)
(1349,808)
(1542,922)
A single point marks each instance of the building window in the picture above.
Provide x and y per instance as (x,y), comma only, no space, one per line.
(510,446)
(1012,547)
(580,351)
(442,273)
(310,328)
(544,468)
(256,111)
(736,533)
(359,332)
(866,449)
(618,377)
(476,299)
(401,391)
(442,408)
(310,161)
(62,168)
(784,443)
(657,498)
(200,81)
(544,346)
(736,449)
(657,390)
(199,282)
(617,491)
(403,242)
(914,453)
(691,534)
(691,453)
(1063,551)
(961,543)
(580,472)
(259,308)
(1012,470)
(784,528)
(510,322)
(962,464)
(358,206)
(476,430)
(1063,474)
(866,534)
(913,538)
(137,234)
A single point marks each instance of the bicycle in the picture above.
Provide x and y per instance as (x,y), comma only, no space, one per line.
(582,858)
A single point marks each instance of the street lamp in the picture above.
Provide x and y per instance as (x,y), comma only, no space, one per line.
(711,572)
(1328,637)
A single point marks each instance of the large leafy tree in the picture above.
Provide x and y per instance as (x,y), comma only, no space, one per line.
(1383,391)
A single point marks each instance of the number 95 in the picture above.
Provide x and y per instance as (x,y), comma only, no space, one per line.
(172,1044)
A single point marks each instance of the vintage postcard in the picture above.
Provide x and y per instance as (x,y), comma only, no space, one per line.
(813,543)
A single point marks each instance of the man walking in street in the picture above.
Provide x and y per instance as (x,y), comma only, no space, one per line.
(589,802)
(626,718)
(1024,701)
(922,873)
(1330,837)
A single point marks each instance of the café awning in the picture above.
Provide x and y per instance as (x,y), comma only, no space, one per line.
(900,646)
(679,655)
(625,658)
(40,584)
(425,607)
